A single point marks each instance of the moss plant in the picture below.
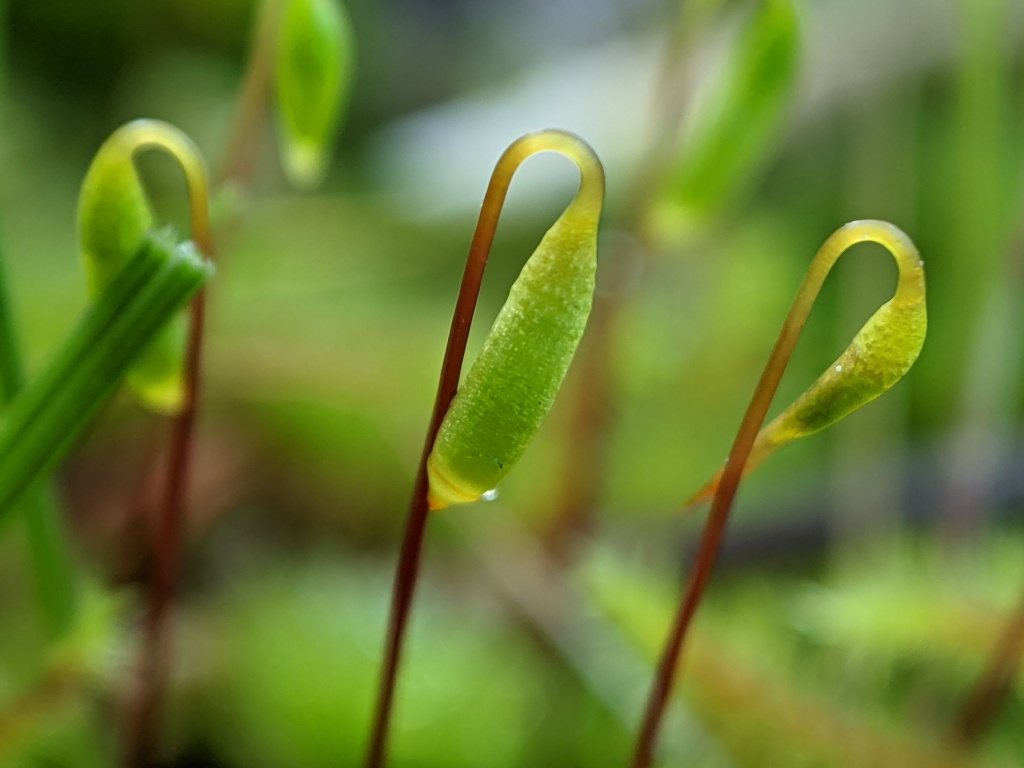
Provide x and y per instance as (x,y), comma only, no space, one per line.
(502,402)
(880,354)
(113,212)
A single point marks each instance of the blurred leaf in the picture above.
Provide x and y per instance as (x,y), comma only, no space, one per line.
(299,661)
(44,420)
(730,135)
(758,716)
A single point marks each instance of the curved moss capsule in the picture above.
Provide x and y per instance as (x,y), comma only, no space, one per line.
(315,56)
(113,217)
(879,355)
(513,382)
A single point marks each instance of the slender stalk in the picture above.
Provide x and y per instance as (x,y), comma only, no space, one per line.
(908,260)
(51,560)
(448,383)
(995,682)
(143,729)
(249,121)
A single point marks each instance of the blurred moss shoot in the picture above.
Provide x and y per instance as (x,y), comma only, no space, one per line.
(314,62)
(734,128)
(114,215)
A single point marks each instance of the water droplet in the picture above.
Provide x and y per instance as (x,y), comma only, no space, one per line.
(920,263)
(839,369)
(490,495)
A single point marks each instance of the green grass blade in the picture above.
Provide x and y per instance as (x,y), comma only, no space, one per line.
(44,421)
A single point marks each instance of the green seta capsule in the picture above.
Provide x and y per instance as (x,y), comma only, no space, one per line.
(314,63)
(513,382)
(880,354)
(114,216)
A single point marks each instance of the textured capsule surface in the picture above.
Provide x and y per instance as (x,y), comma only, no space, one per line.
(313,69)
(513,382)
(879,356)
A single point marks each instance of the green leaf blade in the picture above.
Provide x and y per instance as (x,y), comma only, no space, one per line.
(44,421)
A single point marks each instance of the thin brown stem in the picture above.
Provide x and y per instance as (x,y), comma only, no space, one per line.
(995,683)
(711,537)
(156,641)
(591,193)
(250,117)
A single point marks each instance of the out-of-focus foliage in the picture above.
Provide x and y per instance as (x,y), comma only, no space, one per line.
(736,121)
(868,572)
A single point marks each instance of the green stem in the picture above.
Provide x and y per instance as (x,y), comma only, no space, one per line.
(3,50)
(51,560)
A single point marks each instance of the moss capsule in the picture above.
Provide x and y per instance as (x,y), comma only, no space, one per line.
(513,382)
(114,214)
(879,356)
(314,62)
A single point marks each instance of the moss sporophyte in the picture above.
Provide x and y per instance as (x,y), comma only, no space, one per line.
(879,356)
(513,382)
(478,431)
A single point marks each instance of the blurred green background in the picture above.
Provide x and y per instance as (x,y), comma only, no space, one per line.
(869,571)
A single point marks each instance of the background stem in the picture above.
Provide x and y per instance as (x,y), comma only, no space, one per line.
(250,117)
(51,560)
(995,682)
(143,731)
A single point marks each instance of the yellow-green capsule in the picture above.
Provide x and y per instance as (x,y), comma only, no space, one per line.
(879,356)
(513,382)
(113,215)
(314,63)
